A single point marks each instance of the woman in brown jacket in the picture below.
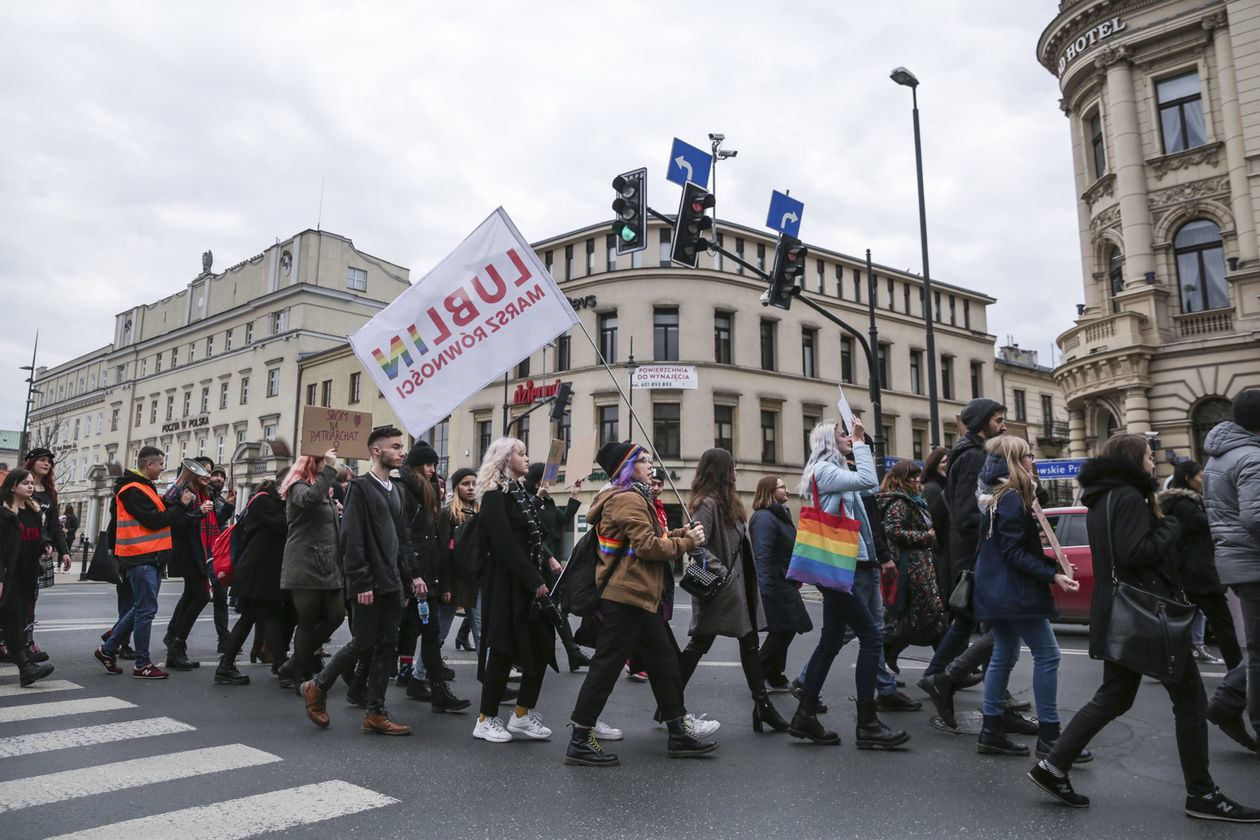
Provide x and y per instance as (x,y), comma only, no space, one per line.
(735,610)
(635,555)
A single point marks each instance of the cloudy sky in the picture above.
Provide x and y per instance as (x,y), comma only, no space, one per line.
(136,135)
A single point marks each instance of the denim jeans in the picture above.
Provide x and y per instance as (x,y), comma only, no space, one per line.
(954,642)
(1040,639)
(842,610)
(1241,687)
(866,585)
(145,581)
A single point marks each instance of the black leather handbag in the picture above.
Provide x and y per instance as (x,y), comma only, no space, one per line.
(960,597)
(699,582)
(1148,633)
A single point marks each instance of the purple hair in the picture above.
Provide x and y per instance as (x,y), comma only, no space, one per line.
(625,477)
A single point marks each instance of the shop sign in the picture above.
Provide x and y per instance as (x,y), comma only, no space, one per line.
(1098,33)
(651,377)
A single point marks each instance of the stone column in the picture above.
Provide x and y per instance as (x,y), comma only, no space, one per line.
(1235,149)
(1137,411)
(1129,165)
(1076,433)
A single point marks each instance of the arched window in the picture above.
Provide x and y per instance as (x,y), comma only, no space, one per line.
(1115,275)
(1205,417)
(1200,266)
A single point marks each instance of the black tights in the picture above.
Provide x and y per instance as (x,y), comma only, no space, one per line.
(319,614)
(749,660)
(266,616)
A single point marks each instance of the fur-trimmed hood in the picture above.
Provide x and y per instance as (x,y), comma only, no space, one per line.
(1174,493)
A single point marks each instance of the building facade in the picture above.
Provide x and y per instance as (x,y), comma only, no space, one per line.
(1034,403)
(211,370)
(1163,102)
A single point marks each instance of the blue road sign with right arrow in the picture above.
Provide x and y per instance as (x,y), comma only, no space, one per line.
(785,214)
(687,163)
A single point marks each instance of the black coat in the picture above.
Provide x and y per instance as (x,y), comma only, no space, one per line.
(188,553)
(1196,565)
(19,558)
(424,537)
(375,552)
(554,520)
(961,483)
(773,534)
(508,583)
(1129,539)
(264,530)
(463,587)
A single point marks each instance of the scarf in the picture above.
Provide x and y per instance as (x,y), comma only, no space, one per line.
(532,525)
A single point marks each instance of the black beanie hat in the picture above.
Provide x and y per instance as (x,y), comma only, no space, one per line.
(613,455)
(533,475)
(421,454)
(1247,409)
(459,475)
(975,415)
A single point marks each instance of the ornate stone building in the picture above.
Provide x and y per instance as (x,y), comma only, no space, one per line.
(1163,99)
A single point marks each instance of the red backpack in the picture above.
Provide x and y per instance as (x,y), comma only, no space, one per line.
(227,546)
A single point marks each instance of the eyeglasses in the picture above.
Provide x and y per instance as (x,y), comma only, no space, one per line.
(644,461)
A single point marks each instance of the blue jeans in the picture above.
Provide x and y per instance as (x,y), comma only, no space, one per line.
(954,642)
(867,587)
(1040,639)
(841,611)
(145,581)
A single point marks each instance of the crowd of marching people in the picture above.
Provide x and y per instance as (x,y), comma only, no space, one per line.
(948,555)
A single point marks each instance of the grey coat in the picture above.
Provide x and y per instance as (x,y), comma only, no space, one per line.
(310,551)
(1231,493)
(736,608)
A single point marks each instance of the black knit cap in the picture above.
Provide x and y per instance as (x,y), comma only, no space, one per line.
(459,475)
(421,454)
(533,475)
(1247,409)
(975,415)
(613,455)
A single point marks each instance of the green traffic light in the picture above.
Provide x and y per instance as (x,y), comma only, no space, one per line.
(628,233)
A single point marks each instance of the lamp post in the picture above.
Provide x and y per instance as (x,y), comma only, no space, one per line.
(902,76)
(718,154)
(30,389)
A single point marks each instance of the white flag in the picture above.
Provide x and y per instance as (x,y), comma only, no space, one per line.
(484,308)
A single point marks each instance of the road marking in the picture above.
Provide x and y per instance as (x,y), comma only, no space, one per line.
(248,816)
(124,775)
(84,736)
(41,686)
(35,711)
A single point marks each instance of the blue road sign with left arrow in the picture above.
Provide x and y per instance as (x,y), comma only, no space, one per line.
(785,214)
(687,163)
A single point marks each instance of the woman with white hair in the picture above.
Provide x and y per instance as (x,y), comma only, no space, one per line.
(513,631)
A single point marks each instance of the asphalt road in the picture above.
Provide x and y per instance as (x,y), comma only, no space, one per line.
(90,755)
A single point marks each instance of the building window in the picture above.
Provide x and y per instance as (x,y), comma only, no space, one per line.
(769,437)
(170,412)
(808,422)
(240,437)
(249,333)
(666,235)
(739,253)
(192,355)
(522,368)
(953,311)
(822,274)
(1115,273)
(568,262)
(219,457)
(722,337)
(1200,266)
(1047,414)
(1021,405)
(227,340)
(947,377)
(356,382)
(244,390)
(205,400)
(916,372)
(312,393)
(547,261)
(273,382)
(483,439)
(174,359)
(201,446)
(269,431)
(890,445)
(977,371)
(521,431)
(761,256)
(223,395)
(667,429)
(665,334)
(590,256)
(724,427)
(356,279)
(608,336)
(857,285)
(936,304)
(279,321)
(608,427)
(948,440)
(891,296)
(967,314)
(564,353)
(918,443)
(809,350)
(139,413)
(113,419)
(611,247)
(121,372)
(1096,142)
(1181,112)
(885,381)
(209,346)
(846,360)
(767,345)
(326,393)
(905,298)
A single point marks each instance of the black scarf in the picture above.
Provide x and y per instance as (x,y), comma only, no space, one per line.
(517,492)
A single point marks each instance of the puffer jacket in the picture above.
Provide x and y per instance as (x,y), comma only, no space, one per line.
(1231,493)
(1194,550)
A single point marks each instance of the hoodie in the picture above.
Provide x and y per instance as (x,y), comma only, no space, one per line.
(1231,493)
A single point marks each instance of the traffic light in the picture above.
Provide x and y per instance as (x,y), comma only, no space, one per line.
(630,205)
(789,266)
(692,224)
(563,395)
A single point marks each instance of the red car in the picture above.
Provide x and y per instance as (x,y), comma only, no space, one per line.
(1069,527)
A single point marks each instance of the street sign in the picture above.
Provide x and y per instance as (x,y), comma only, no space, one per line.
(785,214)
(687,163)
(1059,468)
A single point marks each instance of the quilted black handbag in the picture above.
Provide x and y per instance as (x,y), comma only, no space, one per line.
(1148,633)
(699,582)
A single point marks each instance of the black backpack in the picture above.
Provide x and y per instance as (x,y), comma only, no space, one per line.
(576,590)
(470,546)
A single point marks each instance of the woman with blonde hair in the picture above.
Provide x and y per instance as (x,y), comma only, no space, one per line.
(1012,592)
(513,630)
(464,595)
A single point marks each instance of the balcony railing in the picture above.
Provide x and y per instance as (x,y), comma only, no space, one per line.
(1205,323)
(1053,429)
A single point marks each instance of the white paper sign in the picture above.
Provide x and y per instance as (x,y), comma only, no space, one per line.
(650,377)
(846,411)
(484,308)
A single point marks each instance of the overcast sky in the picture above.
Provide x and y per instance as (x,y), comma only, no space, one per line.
(134,136)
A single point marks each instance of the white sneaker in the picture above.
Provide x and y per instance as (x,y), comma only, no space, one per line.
(700,727)
(604,732)
(529,727)
(491,729)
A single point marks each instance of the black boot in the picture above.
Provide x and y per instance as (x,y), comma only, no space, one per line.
(577,659)
(1060,787)
(28,671)
(993,740)
(1047,735)
(1013,723)
(764,712)
(805,723)
(418,689)
(177,656)
(442,698)
(940,689)
(871,731)
(682,744)
(34,654)
(585,751)
(226,673)
(798,691)
(356,694)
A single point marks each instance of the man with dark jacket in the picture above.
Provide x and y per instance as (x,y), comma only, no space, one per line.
(224,510)
(377,564)
(140,531)
(555,520)
(1231,493)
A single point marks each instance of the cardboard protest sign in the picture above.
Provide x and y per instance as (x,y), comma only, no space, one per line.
(323,427)
(581,458)
(555,454)
(846,411)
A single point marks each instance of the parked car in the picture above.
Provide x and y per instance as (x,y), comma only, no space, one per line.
(1069,528)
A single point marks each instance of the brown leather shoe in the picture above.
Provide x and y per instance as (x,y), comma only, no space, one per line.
(314,698)
(382,725)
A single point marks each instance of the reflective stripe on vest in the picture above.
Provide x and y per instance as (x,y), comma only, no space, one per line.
(134,539)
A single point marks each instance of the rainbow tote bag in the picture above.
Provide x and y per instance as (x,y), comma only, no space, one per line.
(826,549)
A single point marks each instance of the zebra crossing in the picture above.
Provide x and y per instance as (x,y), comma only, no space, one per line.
(241,817)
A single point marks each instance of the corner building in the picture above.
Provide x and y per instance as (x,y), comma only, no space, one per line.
(1163,100)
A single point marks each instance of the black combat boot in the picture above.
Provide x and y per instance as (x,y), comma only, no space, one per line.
(805,723)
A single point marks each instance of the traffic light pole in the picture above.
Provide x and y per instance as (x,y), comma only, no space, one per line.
(872,362)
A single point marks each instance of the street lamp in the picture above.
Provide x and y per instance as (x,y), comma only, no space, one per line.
(30,390)
(902,76)
(718,154)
